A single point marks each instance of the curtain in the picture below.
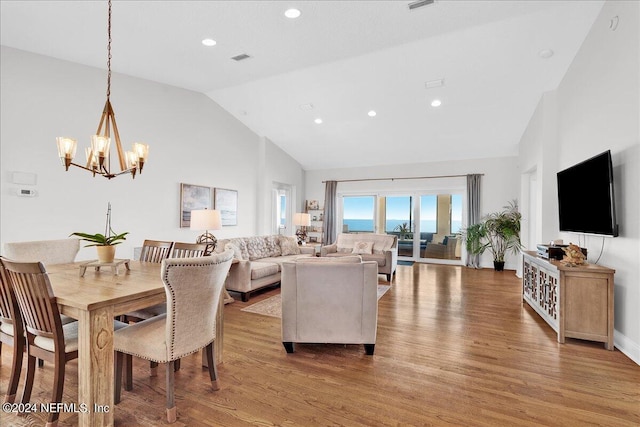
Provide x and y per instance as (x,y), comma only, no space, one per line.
(329,224)
(473,212)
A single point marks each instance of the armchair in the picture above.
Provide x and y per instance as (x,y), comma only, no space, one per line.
(330,300)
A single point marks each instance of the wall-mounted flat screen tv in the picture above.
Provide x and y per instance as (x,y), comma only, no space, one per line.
(586,199)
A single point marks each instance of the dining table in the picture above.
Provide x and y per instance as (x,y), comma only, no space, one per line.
(95,298)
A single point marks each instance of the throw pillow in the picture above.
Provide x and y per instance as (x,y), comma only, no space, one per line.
(237,253)
(289,245)
(362,248)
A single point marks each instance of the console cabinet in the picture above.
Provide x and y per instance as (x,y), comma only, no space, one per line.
(577,302)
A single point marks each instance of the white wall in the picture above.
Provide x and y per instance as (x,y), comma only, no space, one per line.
(192,139)
(500,183)
(277,167)
(596,108)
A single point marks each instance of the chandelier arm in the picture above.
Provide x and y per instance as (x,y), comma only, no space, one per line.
(116,134)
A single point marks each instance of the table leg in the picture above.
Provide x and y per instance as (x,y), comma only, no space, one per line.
(95,367)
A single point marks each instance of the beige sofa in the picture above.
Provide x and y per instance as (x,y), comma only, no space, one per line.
(258,261)
(330,300)
(383,249)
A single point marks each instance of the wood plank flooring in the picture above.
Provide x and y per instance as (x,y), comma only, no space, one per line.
(455,347)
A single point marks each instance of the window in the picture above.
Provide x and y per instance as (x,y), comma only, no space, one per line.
(398,214)
(358,214)
(456,213)
(429,213)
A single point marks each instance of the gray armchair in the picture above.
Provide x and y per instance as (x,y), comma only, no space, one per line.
(330,300)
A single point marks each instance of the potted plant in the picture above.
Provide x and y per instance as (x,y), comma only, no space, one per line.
(403,230)
(498,232)
(104,243)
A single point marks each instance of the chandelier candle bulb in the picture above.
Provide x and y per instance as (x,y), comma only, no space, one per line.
(66,150)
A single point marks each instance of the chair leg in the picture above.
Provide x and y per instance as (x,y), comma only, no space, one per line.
(288,346)
(176,365)
(153,368)
(58,385)
(172,413)
(368,349)
(16,367)
(28,385)
(117,386)
(128,379)
(213,370)
(388,277)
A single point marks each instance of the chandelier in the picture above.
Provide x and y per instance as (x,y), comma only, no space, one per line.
(98,158)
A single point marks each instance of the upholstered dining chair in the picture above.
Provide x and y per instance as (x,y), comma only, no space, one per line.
(11,332)
(46,337)
(188,250)
(60,251)
(155,251)
(193,287)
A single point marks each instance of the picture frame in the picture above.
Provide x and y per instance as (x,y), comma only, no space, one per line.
(313,205)
(226,201)
(193,197)
(313,239)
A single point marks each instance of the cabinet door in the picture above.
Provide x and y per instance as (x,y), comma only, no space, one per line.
(586,306)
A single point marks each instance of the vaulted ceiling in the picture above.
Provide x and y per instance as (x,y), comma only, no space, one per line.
(336,62)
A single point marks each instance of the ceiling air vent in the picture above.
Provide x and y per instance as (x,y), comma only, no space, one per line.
(240,57)
(420,3)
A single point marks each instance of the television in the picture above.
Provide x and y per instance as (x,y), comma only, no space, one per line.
(586,202)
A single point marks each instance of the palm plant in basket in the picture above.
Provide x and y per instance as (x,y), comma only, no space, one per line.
(104,243)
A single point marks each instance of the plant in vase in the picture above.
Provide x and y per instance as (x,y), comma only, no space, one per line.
(104,243)
(403,230)
(498,232)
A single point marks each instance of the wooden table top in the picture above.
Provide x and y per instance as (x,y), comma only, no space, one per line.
(102,288)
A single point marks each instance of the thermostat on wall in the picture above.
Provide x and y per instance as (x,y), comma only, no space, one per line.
(23,192)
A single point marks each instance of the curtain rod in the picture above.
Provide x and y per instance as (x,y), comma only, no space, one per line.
(407,177)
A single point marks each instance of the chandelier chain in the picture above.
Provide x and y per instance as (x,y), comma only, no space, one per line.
(109,53)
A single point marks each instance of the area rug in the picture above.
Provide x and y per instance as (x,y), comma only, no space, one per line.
(405,263)
(272,306)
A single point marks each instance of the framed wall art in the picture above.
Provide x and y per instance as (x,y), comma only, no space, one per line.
(226,201)
(193,197)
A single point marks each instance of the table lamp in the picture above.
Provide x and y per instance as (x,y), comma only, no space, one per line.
(206,219)
(303,220)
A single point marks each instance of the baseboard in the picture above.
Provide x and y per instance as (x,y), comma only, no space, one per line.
(628,347)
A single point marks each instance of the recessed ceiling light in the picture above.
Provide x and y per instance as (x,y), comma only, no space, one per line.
(209,42)
(318,120)
(292,13)
(545,53)
(436,103)
(306,107)
(372,113)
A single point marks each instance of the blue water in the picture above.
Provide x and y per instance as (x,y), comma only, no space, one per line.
(366,225)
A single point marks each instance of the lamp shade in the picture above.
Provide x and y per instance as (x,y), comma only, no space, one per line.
(301,219)
(205,219)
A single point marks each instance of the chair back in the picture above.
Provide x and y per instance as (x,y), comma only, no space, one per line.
(33,292)
(188,250)
(9,311)
(345,287)
(60,251)
(155,251)
(193,287)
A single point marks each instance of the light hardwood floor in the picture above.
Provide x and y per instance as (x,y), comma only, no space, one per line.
(455,347)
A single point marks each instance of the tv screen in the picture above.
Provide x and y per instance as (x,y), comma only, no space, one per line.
(585,197)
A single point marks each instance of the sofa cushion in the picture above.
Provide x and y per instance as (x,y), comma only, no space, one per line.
(242,245)
(263,269)
(289,246)
(381,242)
(362,248)
(237,253)
(381,259)
(261,247)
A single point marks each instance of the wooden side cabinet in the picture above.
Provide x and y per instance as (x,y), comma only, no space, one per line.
(577,302)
